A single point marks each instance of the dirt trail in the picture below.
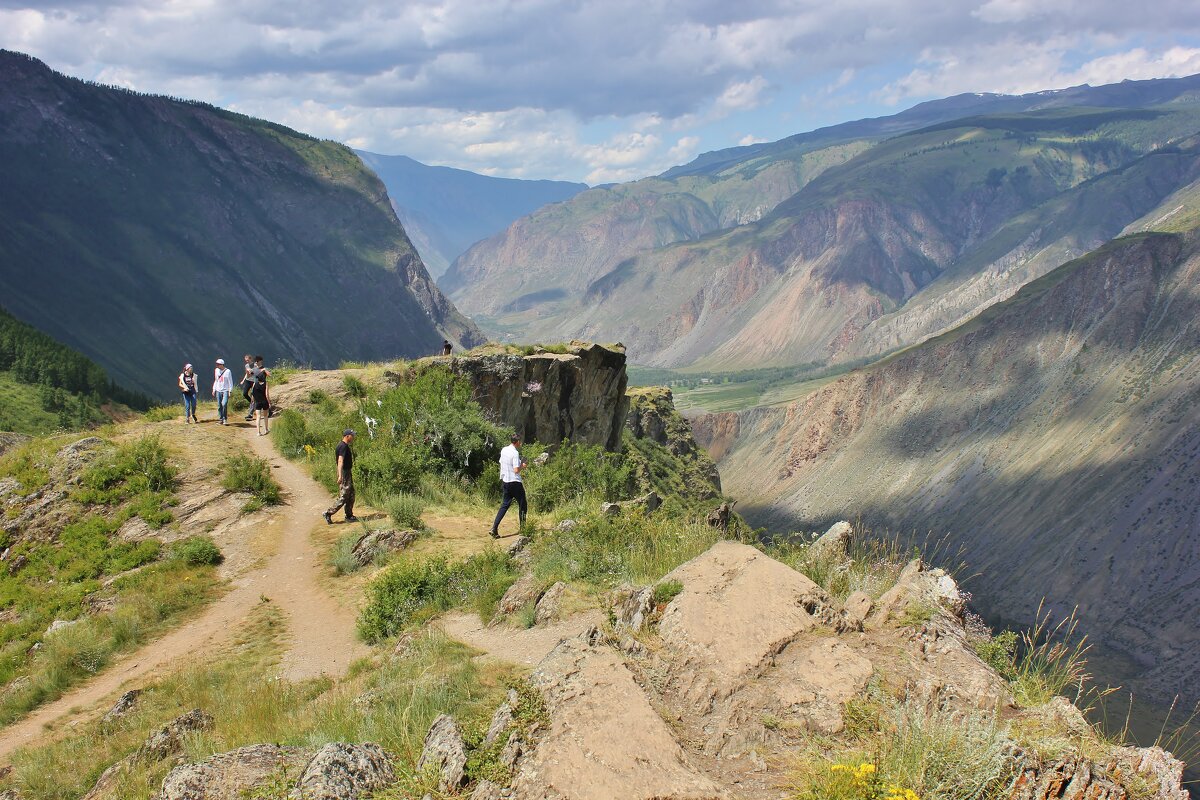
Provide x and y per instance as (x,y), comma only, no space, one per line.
(322,635)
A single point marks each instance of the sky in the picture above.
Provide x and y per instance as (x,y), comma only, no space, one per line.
(593,90)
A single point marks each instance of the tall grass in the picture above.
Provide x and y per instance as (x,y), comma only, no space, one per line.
(405,510)
(392,702)
(148,602)
(913,750)
(414,589)
(1051,660)
(251,475)
(630,548)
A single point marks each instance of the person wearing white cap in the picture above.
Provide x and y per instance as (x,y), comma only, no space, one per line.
(188,384)
(222,386)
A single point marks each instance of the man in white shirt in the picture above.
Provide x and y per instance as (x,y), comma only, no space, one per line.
(222,386)
(511,467)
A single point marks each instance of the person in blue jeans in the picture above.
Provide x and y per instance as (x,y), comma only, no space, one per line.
(188,386)
(222,386)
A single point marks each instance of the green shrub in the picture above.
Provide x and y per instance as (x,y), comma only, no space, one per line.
(607,551)
(291,433)
(252,475)
(197,551)
(414,589)
(341,557)
(317,396)
(405,510)
(163,413)
(153,508)
(577,472)
(135,467)
(999,652)
(354,387)
(666,591)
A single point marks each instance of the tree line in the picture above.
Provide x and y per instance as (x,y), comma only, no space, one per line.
(58,371)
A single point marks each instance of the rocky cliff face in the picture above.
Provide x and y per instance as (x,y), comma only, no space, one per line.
(653,419)
(548,397)
(1054,438)
(146,232)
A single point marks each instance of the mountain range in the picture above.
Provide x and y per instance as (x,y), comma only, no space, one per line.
(840,244)
(446,210)
(1053,438)
(146,231)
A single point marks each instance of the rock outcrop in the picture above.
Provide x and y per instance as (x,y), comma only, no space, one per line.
(232,775)
(548,397)
(599,748)
(652,418)
(341,771)
(445,753)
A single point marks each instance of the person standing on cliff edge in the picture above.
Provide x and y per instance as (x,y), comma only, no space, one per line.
(511,467)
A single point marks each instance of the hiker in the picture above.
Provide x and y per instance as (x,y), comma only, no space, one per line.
(260,397)
(187,385)
(248,384)
(511,467)
(344,458)
(447,348)
(222,386)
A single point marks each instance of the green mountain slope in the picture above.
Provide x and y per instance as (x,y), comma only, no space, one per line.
(145,232)
(1054,437)
(446,210)
(45,386)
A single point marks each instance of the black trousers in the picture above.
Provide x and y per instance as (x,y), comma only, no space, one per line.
(246,386)
(514,490)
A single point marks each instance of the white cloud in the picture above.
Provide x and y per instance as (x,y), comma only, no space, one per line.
(596,88)
(749,139)
(1013,67)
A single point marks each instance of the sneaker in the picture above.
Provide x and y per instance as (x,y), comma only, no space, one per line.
(351,519)
(328,518)
(493,534)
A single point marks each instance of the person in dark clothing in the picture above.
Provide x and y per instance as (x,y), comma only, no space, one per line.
(248,384)
(344,458)
(511,467)
(260,394)
(447,348)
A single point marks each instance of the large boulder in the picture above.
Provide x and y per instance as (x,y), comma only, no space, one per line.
(345,772)
(605,740)
(373,544)
(739,608)
(577,395)
(833,544)
(232,775)
(445,752)
(168,740)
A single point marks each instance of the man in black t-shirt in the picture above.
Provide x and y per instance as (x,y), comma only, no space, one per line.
(344,457)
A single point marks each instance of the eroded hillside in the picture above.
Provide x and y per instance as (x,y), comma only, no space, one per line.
(1054,437)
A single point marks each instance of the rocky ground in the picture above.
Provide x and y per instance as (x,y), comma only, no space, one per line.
(719,693)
